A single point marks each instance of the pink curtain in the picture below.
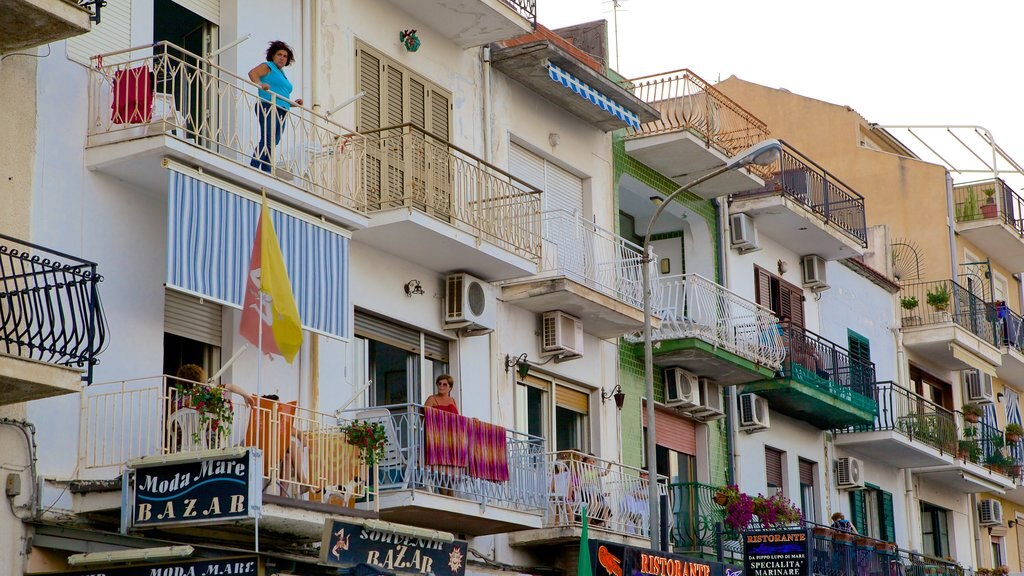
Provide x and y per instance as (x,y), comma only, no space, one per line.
(446,438)
(488,454)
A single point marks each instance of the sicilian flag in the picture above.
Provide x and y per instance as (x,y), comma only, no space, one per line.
(583,567)
(268,296)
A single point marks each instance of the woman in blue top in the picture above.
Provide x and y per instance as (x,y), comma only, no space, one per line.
(274,88)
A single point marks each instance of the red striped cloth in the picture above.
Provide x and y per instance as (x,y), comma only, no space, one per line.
(488,451)
(446,438)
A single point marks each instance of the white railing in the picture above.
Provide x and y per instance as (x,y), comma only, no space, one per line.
(305,453)
(166,90)
(615,496)
(692,306)
(590,255)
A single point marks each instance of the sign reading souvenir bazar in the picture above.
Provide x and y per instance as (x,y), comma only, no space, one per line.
(241,566)
(611,559)
(346,544)
(213,487)
(780,553)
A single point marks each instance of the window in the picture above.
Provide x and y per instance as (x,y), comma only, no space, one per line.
(931,388)
(872,514)
(783,298)
(807,505)
(395,95)
(678,467)
(563,190)
(773,469)
(861,373)
(557,412)
(395,356)
(192,332)
(935,530)
(998,557)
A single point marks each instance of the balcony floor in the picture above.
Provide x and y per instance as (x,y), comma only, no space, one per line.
(950,346)
(893,448)
(468,23)
(967,478)
(570,536)
(800,398)
(796,227)
(450,514)
(995,236)
(1012,368)
(705,359)
(22,379)
(684,156)
(30,23)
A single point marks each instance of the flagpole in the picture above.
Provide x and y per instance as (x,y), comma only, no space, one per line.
(228,364)
(259,395)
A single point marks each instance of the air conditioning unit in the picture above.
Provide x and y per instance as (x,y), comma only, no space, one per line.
(753,413)
(850,473)
(743,233)
(469,303)
(681,388)
(813,268)
(990,512)
(561,335)
(709,406)
(978,386)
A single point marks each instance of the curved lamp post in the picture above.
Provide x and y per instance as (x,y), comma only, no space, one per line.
(762,154)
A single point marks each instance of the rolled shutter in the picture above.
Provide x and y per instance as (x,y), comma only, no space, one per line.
(675,433)
(192,318)
(773,466)
(399,336)
(806,472)
(572,399)
(858,511)
(526,166)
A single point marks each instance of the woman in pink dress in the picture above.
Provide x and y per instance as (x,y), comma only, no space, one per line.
(443,400)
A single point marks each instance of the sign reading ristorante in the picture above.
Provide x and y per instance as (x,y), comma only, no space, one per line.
(243,566)
(347,544)
(212,487)
(781,553)
(611,559)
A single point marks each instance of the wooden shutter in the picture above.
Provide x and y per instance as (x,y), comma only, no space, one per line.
(113,33)
(675,433)
(440,114)
(792,303)
(368,107)
(399,336)
(806,472)
(417,103)
(773,466)
(885,512)
(858,511)
(192,318)
(572,399)
(762,287)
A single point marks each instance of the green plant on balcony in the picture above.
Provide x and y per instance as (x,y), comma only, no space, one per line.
(909,302)
(968,209)
(998,462)
(989,208)
(1013,432)
(369,437)
(938,298)
(972,412)
(968,450)
(213,406)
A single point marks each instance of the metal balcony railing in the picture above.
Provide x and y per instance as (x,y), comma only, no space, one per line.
(816,361)
(692,306)
(304,451)
(595,257)
(989,199)
(407,466)
(164,89)
(698,527)
(984,444)
(525,8)
(50,306)
(914,416)
(941,301)
(687,102)
(405,166)
(1009,327)
(800,179)
(614,495)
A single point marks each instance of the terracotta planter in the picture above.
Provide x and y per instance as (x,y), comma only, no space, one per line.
(989,210)
(885,546)
(972,418)
(1013,437)
(721,498)
(822,532)
(843,537)
(864,542)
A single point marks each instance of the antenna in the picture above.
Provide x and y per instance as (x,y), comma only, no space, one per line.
(616,6)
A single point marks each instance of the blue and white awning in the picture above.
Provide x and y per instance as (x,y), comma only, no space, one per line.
(209,240)
(593,96)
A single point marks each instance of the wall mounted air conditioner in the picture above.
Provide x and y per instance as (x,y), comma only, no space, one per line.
(978,386)
(561,335)
(813,272)
(990,512)
(743,233)
(849,473)
(753,413)
(681,388)
(469,303)
(709,406)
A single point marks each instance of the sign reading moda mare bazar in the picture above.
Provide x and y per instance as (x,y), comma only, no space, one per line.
(781,553)
(346,544)
(241,566)
(611,559)
(212,486)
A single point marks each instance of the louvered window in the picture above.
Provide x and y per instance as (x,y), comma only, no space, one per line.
(773,468)
(807,496)
(395,95)
(783,298)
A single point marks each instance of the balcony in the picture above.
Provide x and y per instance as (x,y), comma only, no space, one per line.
(51,324)
(714,332)
(950,326)
(588,272)
(841,554)
(615,497)
(435,204)
(806,209)
(31,23)
(499,488)
(983,461)
(698,129)
(990,215)
(1010,335)
(909,431)
(819,383)
(154,103)
(697,523)
(470,23)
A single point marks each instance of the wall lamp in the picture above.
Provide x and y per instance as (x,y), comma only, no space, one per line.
(617,394)
(414,287)
(999,397)
(521,364)
(1011,523)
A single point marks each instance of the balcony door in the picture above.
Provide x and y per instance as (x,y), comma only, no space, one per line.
(188,80)
(784,299)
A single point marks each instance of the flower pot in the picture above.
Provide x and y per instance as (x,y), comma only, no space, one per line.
(843,537)
(864,542)
(972,418)
(885,546)
(989,210)
(1013,437)
(823,532)
(721,498)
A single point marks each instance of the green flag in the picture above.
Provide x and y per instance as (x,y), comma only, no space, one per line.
(583,567)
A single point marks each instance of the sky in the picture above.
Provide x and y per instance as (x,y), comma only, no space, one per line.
(896,62)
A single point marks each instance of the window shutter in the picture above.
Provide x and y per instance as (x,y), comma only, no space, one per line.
(368,107)
(394,90)
(440,114)
(572,399)
(793,304)
(762,287)
(417,104)
(192,318)
(773,466)
(563,191)
(858,513)
(885,512)
(526,166)
(675,433)
(382,330)
(806,472)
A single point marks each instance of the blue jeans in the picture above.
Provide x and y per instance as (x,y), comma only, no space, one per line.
(270,118)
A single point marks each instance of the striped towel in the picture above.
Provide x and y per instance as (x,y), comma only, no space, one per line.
(446,438)
(488,452)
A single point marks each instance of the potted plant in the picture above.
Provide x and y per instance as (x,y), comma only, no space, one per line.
(910,303)
(938,298)
(726,494)
(369,437)
(209,401)
(989,208)
(972,412)
(1004,570)
(1013,432)
(739,513)
(983,571)
(968,209)
(777,510)
(998,462)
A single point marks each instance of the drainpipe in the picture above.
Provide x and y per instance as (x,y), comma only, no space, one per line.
(952,228)
(485,58)
(312,55)
(731,443)
(976,528)
(908,496)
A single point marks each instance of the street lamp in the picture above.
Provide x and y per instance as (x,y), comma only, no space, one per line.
(762,154)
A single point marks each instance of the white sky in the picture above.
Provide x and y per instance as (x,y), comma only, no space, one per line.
(894,61)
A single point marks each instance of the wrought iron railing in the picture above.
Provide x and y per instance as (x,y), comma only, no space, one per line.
(164,89)
(615,496)
(816,361)
(914,416)
(305,452)
(920,565)
(408,467)
(941,301)
(692,306)
(983,443)
(595,257)
(50,306)
(699,522)
(406,166)
(989,199)
(687,102)
(801,180)
(1009,327)
(525,8)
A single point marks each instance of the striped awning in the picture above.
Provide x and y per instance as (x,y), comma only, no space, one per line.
(210,232)
(593,96)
